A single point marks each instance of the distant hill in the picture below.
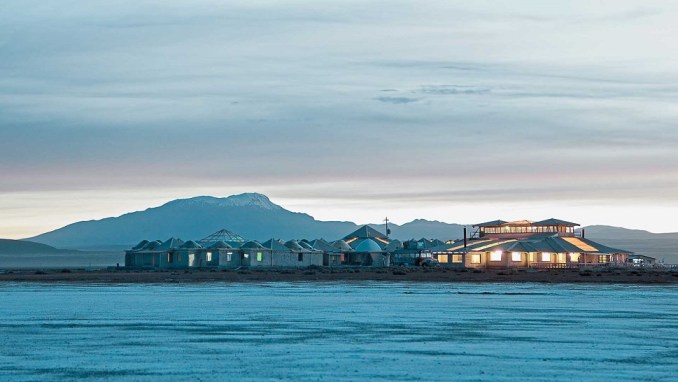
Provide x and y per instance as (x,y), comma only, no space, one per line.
(662,246)
(21,247)
(251,215)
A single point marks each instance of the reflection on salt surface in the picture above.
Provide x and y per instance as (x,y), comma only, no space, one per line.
(339,331)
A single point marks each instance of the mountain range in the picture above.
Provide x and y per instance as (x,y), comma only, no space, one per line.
(255,217)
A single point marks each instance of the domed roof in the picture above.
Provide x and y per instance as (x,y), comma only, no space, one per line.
(171,243)
(140,245)
(275,245)
(342,246)
(393,246)
(305,245)
(252,245)
(191,245)
(152,245)
(294,245)
(220,244)
(368,245)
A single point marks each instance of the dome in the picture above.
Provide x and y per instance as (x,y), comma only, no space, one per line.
(252,245)
(191,245)
(368,245)
(342,246)
(305,245)
(140,245)
(220,244)
(294,245)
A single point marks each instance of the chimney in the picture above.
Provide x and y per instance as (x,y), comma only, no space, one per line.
(465,237)
(583,233)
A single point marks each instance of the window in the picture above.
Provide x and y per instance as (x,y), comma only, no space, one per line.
(532,259)
(170,258)
(301,257)
(495,255)
(516,256)
(604,258)
(228,256)
(574,257)
(443,258)
(245,255)
(475,259)
(546,256)
(259,257)
(457,258)
(209,256)
(562,258)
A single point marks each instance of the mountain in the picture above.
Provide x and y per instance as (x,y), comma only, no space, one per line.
(430,229)
(251,215)
(662,246)
(21,247)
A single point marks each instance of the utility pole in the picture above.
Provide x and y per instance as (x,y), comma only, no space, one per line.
(388,231)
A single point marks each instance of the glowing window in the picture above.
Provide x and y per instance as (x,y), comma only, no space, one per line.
(228,256)
(532,256)
(516,256)
(495,256)
(475,259)
(545,256)
(457,258)
(574,257)
(259,257)
(209,256)
(562,258)
(443,258)
(246,255)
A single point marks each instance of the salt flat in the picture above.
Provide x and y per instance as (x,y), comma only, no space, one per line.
(339,331)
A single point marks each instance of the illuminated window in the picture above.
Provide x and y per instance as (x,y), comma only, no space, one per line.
(259,257)
(457,258)
(546,256)
(495,255)
(209,256)
(532,259)
(562,258)
(516,256)
(475,259)
(246,255)
(443,258)
(604,258)
(574,257)
(228,256)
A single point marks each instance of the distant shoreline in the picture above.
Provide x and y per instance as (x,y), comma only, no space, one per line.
(122,276)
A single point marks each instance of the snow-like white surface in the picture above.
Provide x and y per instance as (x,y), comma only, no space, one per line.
(345,332)
(241,200)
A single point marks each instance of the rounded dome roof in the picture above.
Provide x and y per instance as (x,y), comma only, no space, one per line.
(342,246)
(191,245)
(220,244)
(140,245)
(305,245)
(252,245)
(368,245)
(294,245)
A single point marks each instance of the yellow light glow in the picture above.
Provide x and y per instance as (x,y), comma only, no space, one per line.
(495,255)
(475,259)
(580,244)
(516,256)
(574,257)
(546,256)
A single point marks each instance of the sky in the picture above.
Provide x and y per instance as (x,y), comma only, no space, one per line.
(458,111)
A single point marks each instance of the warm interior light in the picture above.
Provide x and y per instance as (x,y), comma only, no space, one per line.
(574,257)
(516,256)
(495,255)
(546,256)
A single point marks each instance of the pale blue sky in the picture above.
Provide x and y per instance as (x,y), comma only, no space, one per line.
(352,110)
